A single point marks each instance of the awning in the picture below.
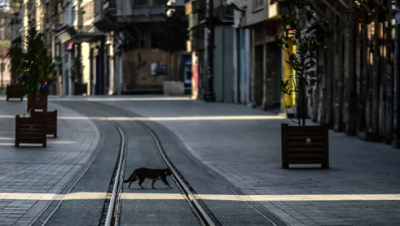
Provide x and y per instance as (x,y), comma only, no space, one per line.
(66,32)
(69,33)
(88,36)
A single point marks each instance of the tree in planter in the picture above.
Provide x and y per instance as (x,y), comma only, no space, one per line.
(298,12)
(37,65)
(16,55)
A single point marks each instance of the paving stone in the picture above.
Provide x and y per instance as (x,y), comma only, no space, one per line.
(28,170)
(248,154)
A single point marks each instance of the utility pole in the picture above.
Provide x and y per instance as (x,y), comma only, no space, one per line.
(396,142)
(210,94)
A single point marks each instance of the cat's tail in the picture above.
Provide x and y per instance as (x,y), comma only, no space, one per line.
(131,178)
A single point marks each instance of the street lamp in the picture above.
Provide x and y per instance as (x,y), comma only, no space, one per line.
(210,94)
(170,10)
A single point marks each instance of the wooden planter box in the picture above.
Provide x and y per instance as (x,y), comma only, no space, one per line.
(51,121)
(305,145)
(80,89)
(14,91)
(40,104)
(30,131)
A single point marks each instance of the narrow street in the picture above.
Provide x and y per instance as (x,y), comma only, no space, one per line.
(228,155)
(232,162)
(160,206)
(257,113)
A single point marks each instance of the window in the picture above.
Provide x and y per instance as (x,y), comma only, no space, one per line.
(258,4)
(58,49)
(139,2)
(159,2)
(73,13)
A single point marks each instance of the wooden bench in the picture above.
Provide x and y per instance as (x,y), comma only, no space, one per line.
(30,131)
(14,91)
(305,145)
(51,121)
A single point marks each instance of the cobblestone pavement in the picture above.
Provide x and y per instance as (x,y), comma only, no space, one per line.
(30,177)
(361,188)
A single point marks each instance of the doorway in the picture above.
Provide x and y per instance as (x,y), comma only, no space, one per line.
(258,76)
(273,62)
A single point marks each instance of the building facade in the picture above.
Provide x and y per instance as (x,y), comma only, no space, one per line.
(357,92)
(223,51)
(133,31)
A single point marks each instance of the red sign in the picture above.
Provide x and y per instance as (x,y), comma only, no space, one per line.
(70,46)
(195,78)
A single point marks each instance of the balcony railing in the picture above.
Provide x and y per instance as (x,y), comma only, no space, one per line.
(145,11)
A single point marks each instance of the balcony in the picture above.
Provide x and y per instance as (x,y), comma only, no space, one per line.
(109,6)
(199,6)
(195,19)
(268,13)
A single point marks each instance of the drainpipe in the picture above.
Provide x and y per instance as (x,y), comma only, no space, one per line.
(223,64)
(210,94)
(396,142)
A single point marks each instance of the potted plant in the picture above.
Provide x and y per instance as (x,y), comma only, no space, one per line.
(16,55)
(300,144)
(39,71)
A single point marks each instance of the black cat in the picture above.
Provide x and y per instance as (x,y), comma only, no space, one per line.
(153,174)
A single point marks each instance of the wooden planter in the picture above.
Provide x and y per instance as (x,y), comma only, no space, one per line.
(14,91)
(51,121)
(40,104)
(30,131)
(305,145)
(80,89)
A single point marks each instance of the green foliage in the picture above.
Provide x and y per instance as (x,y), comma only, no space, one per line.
(174,33)
(37,65)
(298,11)
(16,55)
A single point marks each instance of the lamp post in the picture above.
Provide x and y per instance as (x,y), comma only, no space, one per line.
(210,94)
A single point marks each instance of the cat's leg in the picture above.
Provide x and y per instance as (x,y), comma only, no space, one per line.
(130,182)
(152,184)
(141,180)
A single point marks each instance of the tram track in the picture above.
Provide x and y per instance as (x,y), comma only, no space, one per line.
(112,211)
(149,151)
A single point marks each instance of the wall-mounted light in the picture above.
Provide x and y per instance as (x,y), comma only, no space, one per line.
(170,10)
